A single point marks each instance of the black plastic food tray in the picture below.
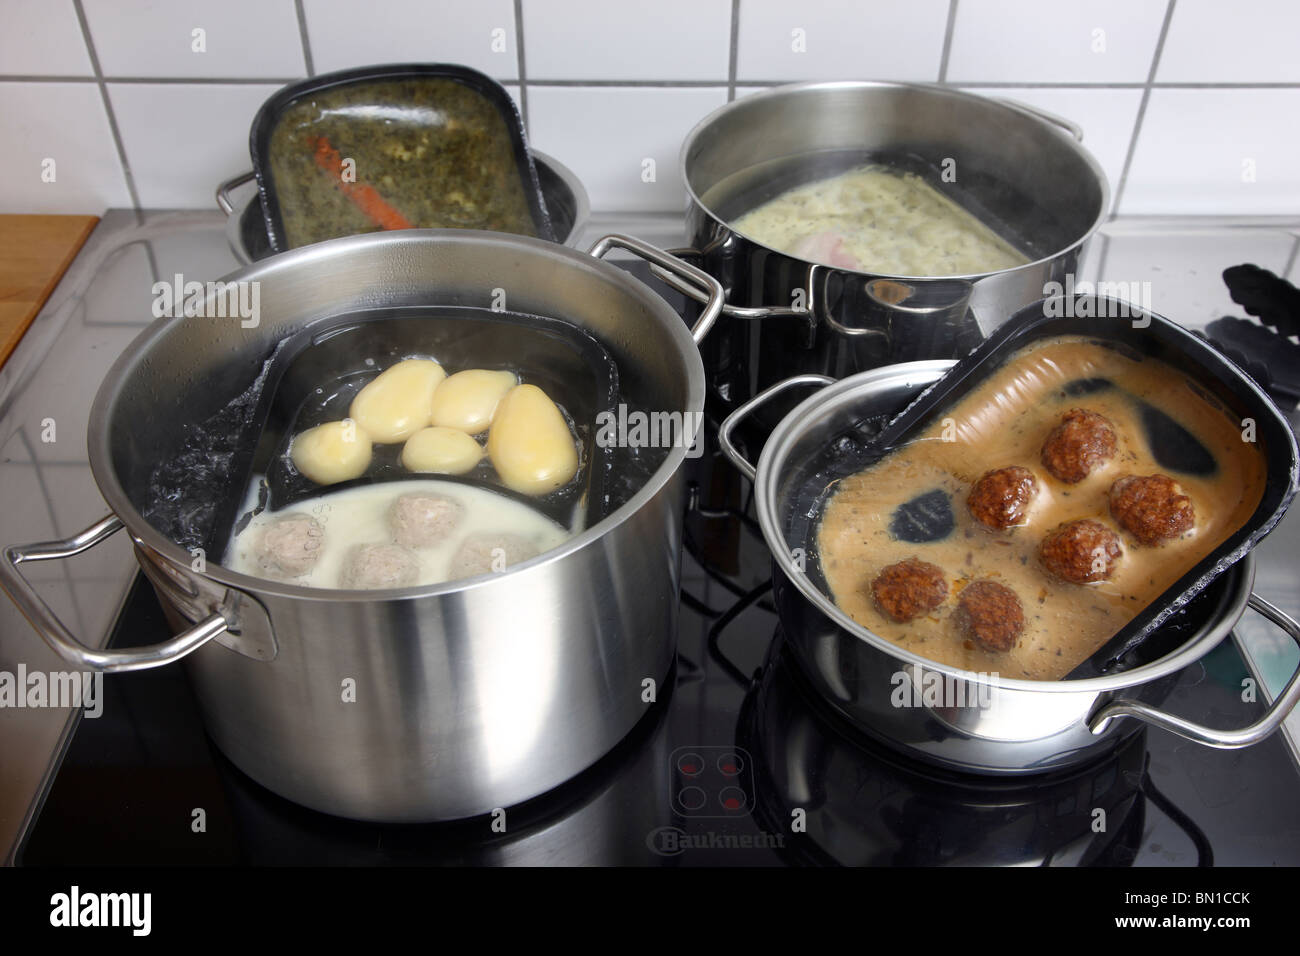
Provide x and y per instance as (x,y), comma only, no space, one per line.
(316,373)
(1161,339)
(268,117)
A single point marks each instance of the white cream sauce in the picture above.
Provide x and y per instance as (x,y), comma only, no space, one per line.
(875,220)
(361,516)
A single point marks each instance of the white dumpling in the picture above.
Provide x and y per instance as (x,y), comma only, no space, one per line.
(423,520)
(468,399)
(289,545)
(481,553)
(398,403)
(530,444)
(444,451)
(379,566)
(333,452)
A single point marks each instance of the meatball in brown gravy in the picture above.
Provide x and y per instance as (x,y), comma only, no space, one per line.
(1081,552)
(1152,508)
(909,588)
(1081,443)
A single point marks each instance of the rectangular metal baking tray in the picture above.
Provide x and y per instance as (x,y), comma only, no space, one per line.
(264,124)
(1135,331)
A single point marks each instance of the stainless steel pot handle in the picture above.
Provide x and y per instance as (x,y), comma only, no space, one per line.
(1074,129)
(59,638)
(730,311)
(702,286)
(729,424)
(224,190)
(1209,736)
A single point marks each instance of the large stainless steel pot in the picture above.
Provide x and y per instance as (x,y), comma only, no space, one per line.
(978,722)
(786,315)
(425,703)
(566,202)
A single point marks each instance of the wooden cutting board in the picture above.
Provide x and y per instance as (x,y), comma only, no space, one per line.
(34,253)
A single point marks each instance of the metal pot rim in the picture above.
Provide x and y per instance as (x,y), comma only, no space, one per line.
(145,535)
(791,89)
(794,426)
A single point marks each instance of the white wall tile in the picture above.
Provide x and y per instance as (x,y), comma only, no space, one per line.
(605,135)
(65,122)
(1106,116)
(600,40)
(181,140)
(1246,41)
(242,38)
(42,38)
(1194,147)
(481,35)
(1013,41)
(840,40)
(1184,267)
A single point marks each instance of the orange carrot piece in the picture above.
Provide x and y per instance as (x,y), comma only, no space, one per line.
(364,197)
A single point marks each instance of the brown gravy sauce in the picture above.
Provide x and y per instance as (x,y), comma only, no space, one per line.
(1003,422)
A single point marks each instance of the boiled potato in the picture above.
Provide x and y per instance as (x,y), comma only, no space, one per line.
(446,451)
(468,399)
(396,405)
(530,444)
(333,452)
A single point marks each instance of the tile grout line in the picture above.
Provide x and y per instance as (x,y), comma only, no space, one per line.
(947,41)
(973,84)
(734,51)
(1291,259)
(1142,111)
(519,56)
(158,80)
(108,109)
(302,35)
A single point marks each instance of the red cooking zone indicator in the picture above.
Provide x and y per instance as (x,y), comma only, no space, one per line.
(690,764)
(711,781)
(732,799)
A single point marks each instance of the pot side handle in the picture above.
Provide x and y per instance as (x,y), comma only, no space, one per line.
(1209,736)
(731,421)
(685,277)
(1071,127)
(60,639)
(730,311)
(224,202)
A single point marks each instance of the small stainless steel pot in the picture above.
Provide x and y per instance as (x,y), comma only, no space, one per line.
(566,202)
(786,315)
(973,722)
(424,703)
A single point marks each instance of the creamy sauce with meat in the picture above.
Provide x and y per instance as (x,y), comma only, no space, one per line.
(875,220)
(360,515)
(1004,422)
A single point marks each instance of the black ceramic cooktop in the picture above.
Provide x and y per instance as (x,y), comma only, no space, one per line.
(716,774)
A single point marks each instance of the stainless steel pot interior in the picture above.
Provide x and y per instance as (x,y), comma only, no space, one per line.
(180,371)
(1019,165)
(804,437)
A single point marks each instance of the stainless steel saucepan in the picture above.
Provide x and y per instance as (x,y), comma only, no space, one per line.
(1023,168)
(424,703)
(962,719)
